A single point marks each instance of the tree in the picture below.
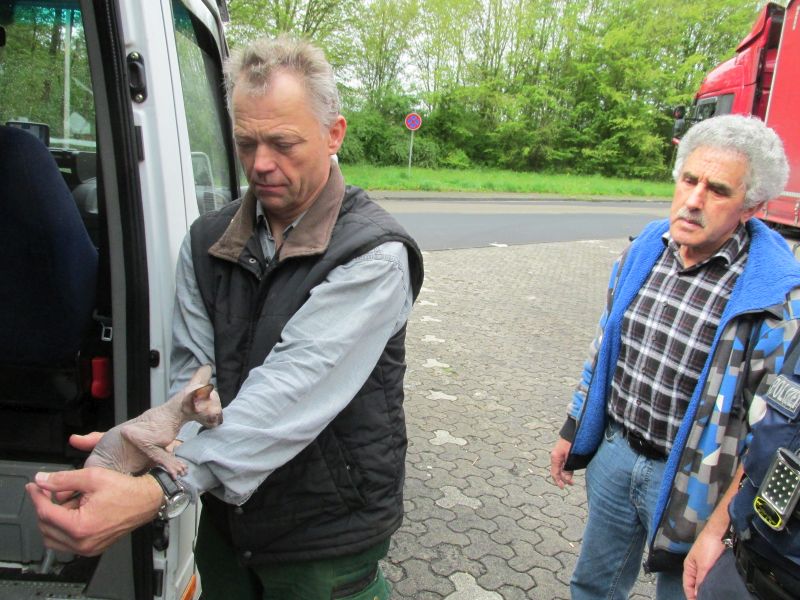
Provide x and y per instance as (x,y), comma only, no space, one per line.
(326,22)
(382,43)
(569,85)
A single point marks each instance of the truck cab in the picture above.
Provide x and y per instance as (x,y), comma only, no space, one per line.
(741,84)
(762,80)
(129,142)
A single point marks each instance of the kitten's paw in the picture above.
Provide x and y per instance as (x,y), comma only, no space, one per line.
(175,467)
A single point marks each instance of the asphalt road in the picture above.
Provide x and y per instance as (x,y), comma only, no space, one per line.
(440,223)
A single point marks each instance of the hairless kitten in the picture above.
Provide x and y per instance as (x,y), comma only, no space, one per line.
(139,444)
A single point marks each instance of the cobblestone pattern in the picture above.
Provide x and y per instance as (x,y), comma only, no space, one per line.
(495,345)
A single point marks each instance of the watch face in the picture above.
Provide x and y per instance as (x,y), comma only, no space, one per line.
(177,504)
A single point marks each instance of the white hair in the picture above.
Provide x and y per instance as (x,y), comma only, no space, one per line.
(767,167)
(253,66)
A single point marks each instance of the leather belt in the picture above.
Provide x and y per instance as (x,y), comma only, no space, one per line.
(765,580)
(641,446)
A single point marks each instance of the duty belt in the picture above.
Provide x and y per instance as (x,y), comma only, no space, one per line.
(764,579)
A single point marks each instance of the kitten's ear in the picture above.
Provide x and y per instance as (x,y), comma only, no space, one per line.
(201,394)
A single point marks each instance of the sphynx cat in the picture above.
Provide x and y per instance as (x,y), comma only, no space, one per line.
(139,444)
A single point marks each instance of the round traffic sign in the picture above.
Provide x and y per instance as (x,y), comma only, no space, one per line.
(413,121)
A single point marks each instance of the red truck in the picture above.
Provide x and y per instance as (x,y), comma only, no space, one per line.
(763,80)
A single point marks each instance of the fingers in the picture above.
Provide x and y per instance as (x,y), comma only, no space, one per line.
(52,518)
(65,481)
(85,442)
(111,504)
(67,499)
(689,580)
(558,457)
(560,477)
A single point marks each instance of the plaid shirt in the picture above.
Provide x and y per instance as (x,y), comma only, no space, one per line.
(667,334)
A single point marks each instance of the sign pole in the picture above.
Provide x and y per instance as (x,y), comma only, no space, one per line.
(412,122)
(410,152)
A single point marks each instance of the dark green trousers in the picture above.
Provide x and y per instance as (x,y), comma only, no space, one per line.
(222,577)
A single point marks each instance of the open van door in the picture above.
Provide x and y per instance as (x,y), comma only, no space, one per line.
(123,105)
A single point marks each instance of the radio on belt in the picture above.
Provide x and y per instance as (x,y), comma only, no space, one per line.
(780,490)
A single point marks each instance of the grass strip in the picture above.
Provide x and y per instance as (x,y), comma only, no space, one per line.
(495,180)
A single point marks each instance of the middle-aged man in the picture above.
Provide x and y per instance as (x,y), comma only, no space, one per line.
(298,295)
(700,311)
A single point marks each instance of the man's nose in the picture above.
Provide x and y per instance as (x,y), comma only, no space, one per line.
(697,196)
(264,159)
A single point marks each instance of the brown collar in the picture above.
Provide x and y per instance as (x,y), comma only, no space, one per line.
(311,235)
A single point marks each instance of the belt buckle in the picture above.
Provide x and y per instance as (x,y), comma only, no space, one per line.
(642,446)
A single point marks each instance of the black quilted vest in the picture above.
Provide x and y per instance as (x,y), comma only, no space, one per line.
(344,492)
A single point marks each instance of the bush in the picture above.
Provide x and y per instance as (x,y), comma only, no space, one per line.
(352,150)
(456,159)
(426,152)
(369,130)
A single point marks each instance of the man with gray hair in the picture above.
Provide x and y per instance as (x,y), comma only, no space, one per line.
(298,296)
(700,311)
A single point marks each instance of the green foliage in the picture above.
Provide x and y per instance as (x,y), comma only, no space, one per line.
(426,152)
(32,67)
(375,136)
(576,86)
(456,159)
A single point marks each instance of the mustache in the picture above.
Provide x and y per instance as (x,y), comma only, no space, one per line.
(693,216)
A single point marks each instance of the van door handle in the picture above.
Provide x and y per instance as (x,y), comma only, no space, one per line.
(137,77)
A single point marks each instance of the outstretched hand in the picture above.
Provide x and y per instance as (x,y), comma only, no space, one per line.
(103,506)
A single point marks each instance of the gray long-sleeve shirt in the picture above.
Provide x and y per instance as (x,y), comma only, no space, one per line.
(327,351)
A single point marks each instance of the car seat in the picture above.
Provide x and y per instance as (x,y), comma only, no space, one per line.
(49,264)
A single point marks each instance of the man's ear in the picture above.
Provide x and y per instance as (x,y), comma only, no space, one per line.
(336,134)
(749,213)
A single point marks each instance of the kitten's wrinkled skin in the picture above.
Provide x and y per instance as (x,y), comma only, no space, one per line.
(139,444)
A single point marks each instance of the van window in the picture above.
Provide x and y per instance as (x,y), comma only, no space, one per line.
(46,87)
(205,110)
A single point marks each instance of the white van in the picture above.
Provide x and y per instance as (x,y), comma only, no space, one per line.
(127,97)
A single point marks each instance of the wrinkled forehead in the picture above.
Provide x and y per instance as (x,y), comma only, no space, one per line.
(287,92)
(731,163)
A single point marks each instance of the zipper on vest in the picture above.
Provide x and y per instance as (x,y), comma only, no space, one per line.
(261,297)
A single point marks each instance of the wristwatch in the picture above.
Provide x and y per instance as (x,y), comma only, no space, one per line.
(176,499)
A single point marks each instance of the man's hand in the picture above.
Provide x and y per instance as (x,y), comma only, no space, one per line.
(109,505)
(558,456)
(708,546)
(705,551)
(85,442)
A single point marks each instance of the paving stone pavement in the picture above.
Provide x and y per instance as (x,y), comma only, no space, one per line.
(495,345)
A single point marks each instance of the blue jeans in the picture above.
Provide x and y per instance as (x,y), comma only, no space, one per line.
(622,488)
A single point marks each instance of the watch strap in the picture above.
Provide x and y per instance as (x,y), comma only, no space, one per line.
(169,487)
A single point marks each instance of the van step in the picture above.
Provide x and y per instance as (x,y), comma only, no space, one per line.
(39,590)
